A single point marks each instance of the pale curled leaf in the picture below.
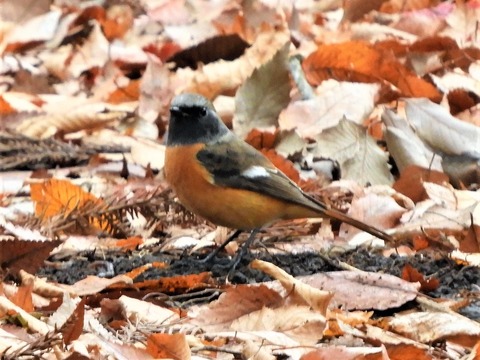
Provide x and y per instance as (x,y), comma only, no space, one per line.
(93,284)
(35,325)
(41,286)
(263,95)
(427,327)
(295,288)
(405,146)
(442,131)
(45,126)
(359,156)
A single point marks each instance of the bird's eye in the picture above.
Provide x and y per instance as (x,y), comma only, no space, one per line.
(203,111)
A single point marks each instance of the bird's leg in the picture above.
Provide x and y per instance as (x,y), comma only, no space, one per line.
(242,251)
(214,253)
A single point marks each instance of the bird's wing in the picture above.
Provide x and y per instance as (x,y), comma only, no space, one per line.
(238,165)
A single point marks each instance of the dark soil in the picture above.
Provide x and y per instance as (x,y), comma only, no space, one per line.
(456,281)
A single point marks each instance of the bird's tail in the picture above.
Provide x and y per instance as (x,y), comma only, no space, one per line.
(338,215)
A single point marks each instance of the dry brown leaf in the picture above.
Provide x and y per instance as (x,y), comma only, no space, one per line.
(363,290)
(427,285)
(94,284)
(405,146)
(33,32)
(69,317)
(219,314)
(296,289)
(17,255)
(412,178)
(56,197)
(379,210)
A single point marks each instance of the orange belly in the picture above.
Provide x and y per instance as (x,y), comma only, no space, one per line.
(234,208)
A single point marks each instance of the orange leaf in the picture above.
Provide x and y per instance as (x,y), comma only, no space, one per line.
(5,107)
(286,166)
(359,61)
(420,242)
(23,297)
(175,284)
(59,197)
(166,346)
(409,273)
(130,92)
(131,243)
(261,139)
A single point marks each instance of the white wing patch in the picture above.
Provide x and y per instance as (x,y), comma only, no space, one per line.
(255,172)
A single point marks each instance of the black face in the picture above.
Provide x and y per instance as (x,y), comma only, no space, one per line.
(190,124)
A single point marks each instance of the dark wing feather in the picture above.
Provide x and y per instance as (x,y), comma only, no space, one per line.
(228,161)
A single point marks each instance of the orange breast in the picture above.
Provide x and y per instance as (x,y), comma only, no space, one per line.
(234,208)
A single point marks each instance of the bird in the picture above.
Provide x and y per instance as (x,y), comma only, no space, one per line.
(217,175)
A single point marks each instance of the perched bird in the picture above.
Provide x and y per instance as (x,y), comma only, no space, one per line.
(220,177)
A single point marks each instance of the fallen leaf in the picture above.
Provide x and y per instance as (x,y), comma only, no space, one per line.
(440,130)
(17,255)
(298,292)
(427,327)
(360,62)
(168,346)
(363,290)
(219,314)
(263,95)
(334,101)
(357,153)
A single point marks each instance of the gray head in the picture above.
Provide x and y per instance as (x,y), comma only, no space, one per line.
(193,120)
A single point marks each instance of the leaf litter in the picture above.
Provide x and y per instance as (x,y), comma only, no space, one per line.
(99,260)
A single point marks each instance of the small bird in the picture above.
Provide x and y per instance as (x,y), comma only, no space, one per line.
(220,177)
